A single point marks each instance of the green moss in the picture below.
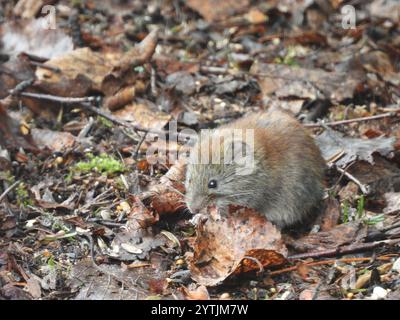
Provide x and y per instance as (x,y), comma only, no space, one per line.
(119,184)
(103,163)
(7,176)
(23,199)
(288,59)
(105,122)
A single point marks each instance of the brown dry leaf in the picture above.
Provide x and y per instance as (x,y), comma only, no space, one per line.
(330,217)
(381,177)
(303,270)
(200,293)
(142,114)
(256,16)
(83,70)
(282,81)
(158,286)
(33,287)
(342,234)
(176,173)
(14,71)
(379,62)
(12,292)
(307,294)
(54,140)
(333,142)
(11,136)
(233,241)
(80,68)
(168,203)
(121,98)
(348,192)
(215,10)
(167,196)
(138,55)
(168,65)
(140,214)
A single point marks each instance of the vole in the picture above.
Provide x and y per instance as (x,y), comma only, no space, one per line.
(286,180)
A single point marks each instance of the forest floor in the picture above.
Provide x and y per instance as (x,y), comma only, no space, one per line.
(89,89)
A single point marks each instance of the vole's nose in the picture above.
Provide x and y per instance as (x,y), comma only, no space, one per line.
(194,207)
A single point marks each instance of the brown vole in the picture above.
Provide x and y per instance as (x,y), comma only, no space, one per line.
(286,178)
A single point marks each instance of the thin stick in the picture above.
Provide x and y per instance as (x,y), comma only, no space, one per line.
(45,66)
(318,263)
(67,100)
(139,145)
(9,189)
(337,123)
(343,250)
(83,102)
(364,188)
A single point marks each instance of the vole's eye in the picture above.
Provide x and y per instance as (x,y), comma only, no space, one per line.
(212,184)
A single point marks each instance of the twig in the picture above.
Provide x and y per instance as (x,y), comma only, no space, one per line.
(67,100)
(337,123)
(341,176)
(364,188)
(139,145)
(45,66)
(343,250)
(83,102)
(319,263)
(9,189)
(216,70)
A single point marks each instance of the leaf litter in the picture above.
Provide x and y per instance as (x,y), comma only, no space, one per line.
(84,214)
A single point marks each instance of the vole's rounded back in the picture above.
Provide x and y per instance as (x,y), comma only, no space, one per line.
(285,180)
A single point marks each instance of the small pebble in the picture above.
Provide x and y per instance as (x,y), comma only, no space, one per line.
(225,296)
(396,265)
(350,295)
(105,214)
(180,262)
(379,293)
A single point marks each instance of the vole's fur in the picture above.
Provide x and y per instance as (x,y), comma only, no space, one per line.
(286,183)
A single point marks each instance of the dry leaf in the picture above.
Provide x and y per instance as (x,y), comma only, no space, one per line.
(349,233)
(141,114)
(233,241)
(200,293)
(168,203)
(284,81)
(54,140)
(333,142)
(215,10)
(331,215)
